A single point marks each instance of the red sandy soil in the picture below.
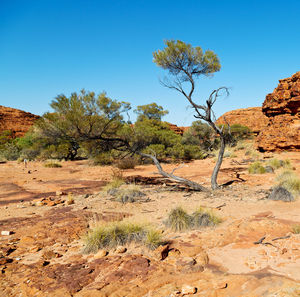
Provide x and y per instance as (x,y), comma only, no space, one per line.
(43,256)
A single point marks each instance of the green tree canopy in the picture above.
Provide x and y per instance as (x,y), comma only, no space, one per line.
(150,111)
(81,118)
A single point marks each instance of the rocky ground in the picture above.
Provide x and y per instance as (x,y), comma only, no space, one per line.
(43,255)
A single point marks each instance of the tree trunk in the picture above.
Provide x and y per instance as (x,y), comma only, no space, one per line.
(214,183)
(186,182)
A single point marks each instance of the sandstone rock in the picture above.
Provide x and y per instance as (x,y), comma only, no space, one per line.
(6,232)
(252,117)
(121,249)
(282,107)
(188,290)
(15,120)
(162,252)
(100,254)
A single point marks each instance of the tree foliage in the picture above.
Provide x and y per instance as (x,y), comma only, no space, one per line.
(150,111)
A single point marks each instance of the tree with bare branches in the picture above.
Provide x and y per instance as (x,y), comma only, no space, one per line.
(185,64)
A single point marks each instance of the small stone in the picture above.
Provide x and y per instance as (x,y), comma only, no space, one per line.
(101,254)
(18,259)
(283,251)
(222,285)
(188,290)
(162,252)
(121,249)
(85,207)
(6,232)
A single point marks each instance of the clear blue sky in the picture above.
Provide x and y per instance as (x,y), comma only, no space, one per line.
(49,47)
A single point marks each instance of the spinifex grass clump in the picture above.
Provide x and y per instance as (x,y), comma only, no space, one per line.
(109,235)
(117,180)
(131,193)
(179,219)
(296,229)
(52,164)
(290,181)
(256,168)
(275,163)
(203,218)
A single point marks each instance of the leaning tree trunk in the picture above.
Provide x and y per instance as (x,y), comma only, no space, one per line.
(214,183)
(186,182)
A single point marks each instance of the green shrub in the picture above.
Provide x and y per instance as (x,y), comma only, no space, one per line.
(104,158)
(9,151)
(109,235)
(179,220)
(296,229)
(156,149)
(290,181)
(52,164)
(256,168)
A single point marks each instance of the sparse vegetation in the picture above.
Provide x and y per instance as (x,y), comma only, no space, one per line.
(109,235)
(290,181)
(70,199)
(126,163)
(256,168)
(129,194)
(203,217)
(296,229)
(276,164)
(179,219)
(52,164)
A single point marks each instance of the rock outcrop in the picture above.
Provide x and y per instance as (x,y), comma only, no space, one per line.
(176,129)
(251,117)
(15,120)
(282,107)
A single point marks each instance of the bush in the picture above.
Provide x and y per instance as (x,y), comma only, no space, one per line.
(109,235)
(104,158)
(290,181)
(9,151)
(256,168)
(52,164)
(157,149)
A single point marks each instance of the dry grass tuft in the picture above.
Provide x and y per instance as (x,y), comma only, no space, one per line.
(179,219)
(290,181)
(109,235)
(256,168)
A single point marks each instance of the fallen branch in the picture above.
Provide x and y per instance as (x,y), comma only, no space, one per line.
(220,206)
(282,237)
(192,185)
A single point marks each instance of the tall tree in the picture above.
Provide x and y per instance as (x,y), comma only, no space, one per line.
(185,64)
